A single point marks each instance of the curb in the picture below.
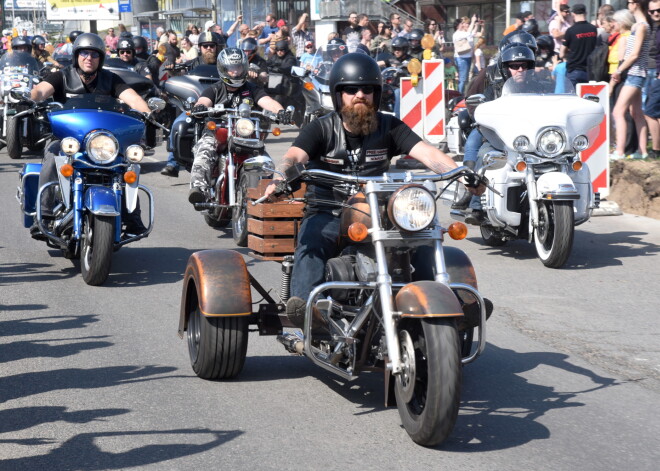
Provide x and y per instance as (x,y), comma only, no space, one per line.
(607,208)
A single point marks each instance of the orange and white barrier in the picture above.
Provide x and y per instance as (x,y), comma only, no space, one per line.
(411,105)
(433,104)
(597,155)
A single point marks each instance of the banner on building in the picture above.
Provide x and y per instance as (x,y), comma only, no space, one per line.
(22,5)
(82,10)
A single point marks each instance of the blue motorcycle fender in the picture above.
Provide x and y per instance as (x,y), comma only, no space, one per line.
(218,284)
(424,299)
(101,201)
(28,190)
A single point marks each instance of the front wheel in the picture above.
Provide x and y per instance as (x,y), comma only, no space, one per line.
(14,147)
(96,250)
(553,238)
(428,391)
(240,212)
(217,345)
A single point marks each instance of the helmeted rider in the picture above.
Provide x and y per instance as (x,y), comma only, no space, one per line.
(68,47)
(280,63)
(40,53)
(400,47)
(415,41)
(230,91)
(21,44)
(354,139)
(126,52)
(258,65)
(84,75)
(545,54)
(141,48)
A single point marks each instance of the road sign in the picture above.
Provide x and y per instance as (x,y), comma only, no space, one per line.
(125,6)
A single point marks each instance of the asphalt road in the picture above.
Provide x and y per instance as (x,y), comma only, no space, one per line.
(96,377)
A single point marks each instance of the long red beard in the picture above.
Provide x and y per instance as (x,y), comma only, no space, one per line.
(361,120)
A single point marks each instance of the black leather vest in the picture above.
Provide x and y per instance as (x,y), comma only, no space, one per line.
(73,84)
(373,158)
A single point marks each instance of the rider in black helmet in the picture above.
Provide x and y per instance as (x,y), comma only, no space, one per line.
(141,48)
(354,139)
(415,41)
(21,44)
(257,64)
(126,52)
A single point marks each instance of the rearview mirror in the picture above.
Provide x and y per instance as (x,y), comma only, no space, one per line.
(156,104)
(262,165)
(494,160)
(475,100)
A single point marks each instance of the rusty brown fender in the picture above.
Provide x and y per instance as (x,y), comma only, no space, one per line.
(459,267)
(218,281)
(427,299)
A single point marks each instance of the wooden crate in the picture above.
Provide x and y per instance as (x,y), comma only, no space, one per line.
(273,227)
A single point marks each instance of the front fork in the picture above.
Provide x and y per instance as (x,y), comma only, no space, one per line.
(530,180)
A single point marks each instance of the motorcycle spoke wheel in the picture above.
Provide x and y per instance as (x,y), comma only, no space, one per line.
(239,214)
(217,346)
(96,249)
(428,390)
(553,237)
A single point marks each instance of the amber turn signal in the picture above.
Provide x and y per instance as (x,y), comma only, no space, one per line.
(66,170)
(521,166)
(577,165)
(211,125)
(309,86)
(357,232)
(276,131)
(457,231)
(130,177)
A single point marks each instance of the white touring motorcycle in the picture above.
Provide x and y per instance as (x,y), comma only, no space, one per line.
(534,134)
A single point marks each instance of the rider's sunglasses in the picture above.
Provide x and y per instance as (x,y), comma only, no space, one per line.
(654,11)
(93,54)
(208,46)
(353,89)
(522,66)
(126,51)
(400,49)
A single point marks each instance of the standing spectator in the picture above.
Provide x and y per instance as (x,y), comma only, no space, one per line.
(382,42)
(559,25)
(431,27)
(463,40)
(301,35)
(194,35)
(172,51)
(395,21)
(479,57)
(307,58)
(363,22)
(407,28)
(450,74)
(161,35)
(189,52)
(111,40)
(6,39)
(231,29)
(333,35)
(243,31)
(365,41)
(269,29)
(652,105)
(353,26)
(630,98)
(579,41)
(517,24)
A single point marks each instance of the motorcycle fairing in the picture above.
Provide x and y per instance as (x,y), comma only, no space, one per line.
(27,192)
(421,299)
(101,201)
(65,182)
(131,190)
(208,269)
(556,186)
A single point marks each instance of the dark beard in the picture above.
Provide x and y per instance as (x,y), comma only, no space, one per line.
(361,120)
(208,57)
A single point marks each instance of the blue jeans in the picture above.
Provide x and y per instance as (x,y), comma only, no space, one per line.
(463,64)
(171,161)
(472,145)
(317,243)
(577,76)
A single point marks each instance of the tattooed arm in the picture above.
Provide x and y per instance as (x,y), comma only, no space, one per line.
(295,155)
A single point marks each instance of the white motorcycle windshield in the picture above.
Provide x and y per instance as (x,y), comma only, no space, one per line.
(323,60)
(537,83)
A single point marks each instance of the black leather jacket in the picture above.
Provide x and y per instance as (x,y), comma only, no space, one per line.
(73,84)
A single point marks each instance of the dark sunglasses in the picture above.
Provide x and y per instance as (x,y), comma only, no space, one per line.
(353,89)
(92,54)
(127,51)
(208,46)
(654,11)
(517,66)
(308,47)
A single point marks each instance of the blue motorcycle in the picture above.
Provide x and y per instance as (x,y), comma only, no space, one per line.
(98,181)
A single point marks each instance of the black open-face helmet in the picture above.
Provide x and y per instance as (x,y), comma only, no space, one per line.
(126,43)
(249,45)
(73,35)
(232,59)
(515,52)
(355,69)
(91,42)
(21,41)
(400,43)
(521,37)
(38,41)
(415,39)
(210,37)
(334,47)
(140,43)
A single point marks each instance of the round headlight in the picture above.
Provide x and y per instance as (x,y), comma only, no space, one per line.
(134,153)
(412,208)
(102,147)
(244,127)
(551,143)
(70,145)
(521,144)
(580,143)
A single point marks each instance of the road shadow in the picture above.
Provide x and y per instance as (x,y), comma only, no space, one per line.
(15,273)
(275,367)
(29,384)
(39,325)
(21,418)
(84,452)
(145,266)
(500,409)
(590,250)
(49,348)
(21,307)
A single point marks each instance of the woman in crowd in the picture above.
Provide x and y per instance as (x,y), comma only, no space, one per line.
(463,40)
(188,51)
(432,27)
(632,73)
(194,35)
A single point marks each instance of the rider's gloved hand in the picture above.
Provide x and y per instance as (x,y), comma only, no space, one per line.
(284,117)
(471,180)
(199,108)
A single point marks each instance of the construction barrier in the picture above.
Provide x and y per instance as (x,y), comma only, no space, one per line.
(411,105)
(433,104)
(597,155)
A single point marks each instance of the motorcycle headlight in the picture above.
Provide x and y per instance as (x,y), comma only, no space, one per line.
(134,153)
(326,101)
(244,127)
(70,145)
(580,143)
(411,208)
(551,142)
(521,144)
(102,147)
